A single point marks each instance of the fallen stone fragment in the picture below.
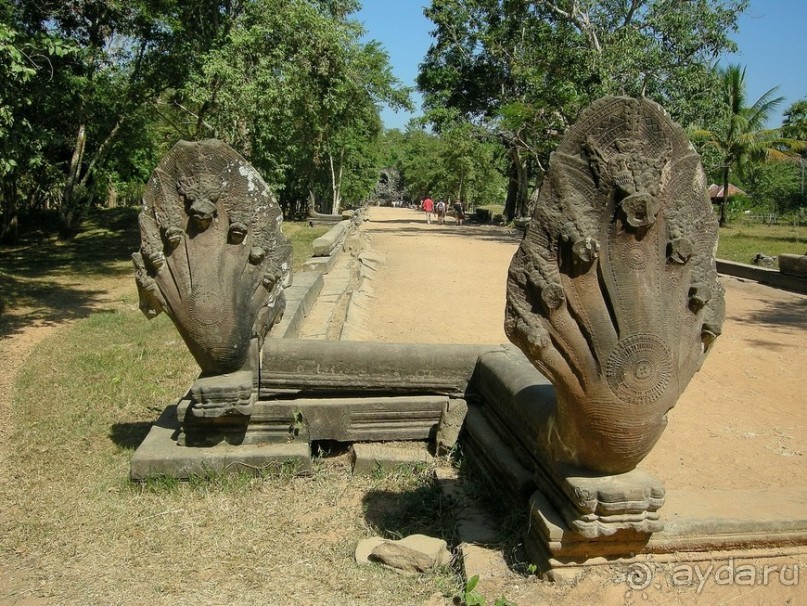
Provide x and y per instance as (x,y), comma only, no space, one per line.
(415,553)
(369,458)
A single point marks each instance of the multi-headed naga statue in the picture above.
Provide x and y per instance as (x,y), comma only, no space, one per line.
(613,293)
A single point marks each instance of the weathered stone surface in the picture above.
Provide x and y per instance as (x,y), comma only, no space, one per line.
(794,265)
(370,418)
(327,242)
(312,366)
(159,455)
(519,400)
(415,553)
(368,458)
(487,564)
(763,260)
(448,430)
(613,293)
(212,253)
(300,298)
(365,548)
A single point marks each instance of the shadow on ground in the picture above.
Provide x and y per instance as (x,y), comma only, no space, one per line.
(129,436)
(778,314)
(474,232)
(36,273)
(423,510)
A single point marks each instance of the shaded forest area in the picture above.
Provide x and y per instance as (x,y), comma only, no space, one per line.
(94,92)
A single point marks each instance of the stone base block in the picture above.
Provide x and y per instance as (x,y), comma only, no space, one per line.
(160,455)
(371,458)
(699,524)
(551,543)
(366,419)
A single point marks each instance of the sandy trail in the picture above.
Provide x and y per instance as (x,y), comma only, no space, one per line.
(742,422)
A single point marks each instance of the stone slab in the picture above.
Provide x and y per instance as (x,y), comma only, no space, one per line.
(327,242)
(495,459)
(771,277)
(703,520)
(371,458)
(720,523)
(300,298)
(159,454)
(355,367)
(793,265)
(362,419)
(320,264)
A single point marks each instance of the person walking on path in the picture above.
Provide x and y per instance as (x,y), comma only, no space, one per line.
(459,212)
(428,208)
(441,212)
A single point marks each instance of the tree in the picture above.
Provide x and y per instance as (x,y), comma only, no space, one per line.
(292,90)
(525,70)
(795,127)
(25,64)
(124,55)
(740,136)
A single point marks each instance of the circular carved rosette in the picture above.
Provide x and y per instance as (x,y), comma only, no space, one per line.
(634,256)
(639,369)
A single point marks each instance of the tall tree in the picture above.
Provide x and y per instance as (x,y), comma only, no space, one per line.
(741,134)
(292,89)
(794,127)
(525,69)
(125,55)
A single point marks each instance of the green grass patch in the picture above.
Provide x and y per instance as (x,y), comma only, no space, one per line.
(495,209)
(302,238)
(741,243)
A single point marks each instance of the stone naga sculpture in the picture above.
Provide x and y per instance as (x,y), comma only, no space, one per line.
(613,293)
(212,255)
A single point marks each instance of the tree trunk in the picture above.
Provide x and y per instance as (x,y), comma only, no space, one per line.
(516,203)
(336,182)
(9,230)
(725,200)
(75,164)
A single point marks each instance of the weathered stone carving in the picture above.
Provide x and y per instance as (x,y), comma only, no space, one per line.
(613,293)
(213,258)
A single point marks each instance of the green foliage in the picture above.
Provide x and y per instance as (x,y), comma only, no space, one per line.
(794,125)
(461,163)
(740,137)
(774,186)
(469,596)
(524,71)
(93,93)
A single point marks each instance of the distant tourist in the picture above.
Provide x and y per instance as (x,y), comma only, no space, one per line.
(428,208)
(459,213)
(441,212)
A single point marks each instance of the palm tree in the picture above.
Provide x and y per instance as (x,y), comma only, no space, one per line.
(742,136)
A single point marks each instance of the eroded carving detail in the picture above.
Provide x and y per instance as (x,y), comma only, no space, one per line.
(613,293)
(212,254)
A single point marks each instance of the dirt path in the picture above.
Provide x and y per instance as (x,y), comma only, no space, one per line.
(742,422)
(745,411)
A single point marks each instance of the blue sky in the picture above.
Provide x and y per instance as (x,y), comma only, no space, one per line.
(772,42)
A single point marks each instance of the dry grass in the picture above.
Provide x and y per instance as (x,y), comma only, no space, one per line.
(78,532)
